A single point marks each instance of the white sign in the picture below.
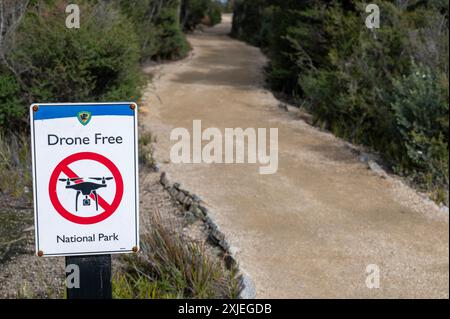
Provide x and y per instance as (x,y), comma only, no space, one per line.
(85,178)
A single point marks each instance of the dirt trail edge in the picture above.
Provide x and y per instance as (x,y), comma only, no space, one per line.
(311,229)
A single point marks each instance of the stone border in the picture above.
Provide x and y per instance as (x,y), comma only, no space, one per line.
(195,209)
(372,161)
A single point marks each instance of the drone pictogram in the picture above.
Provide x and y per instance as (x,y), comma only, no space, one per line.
(89,188)
(86,188)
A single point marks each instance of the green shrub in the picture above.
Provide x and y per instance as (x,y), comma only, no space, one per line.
(248,20)
(157,26)
(215,12)
(421,115)
(350,91)
(173,43)
(99,61)
(295,44)
(11,108)
(193,12)
(369,92)
(228,6)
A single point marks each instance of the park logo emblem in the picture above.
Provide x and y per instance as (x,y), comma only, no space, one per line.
(84,117)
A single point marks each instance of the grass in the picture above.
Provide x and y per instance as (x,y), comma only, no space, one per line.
(440,195)
(12,239)
(146,148)
(46,291)
(15,166)
(172,266)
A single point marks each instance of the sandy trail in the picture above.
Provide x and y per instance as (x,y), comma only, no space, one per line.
(311,229)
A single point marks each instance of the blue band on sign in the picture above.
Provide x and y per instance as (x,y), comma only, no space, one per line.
(55,111)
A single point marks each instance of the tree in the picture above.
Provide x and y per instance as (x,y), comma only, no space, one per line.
(192,13)
(11,14)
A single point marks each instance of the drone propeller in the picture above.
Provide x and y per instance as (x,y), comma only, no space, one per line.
(101,178)
(70,179)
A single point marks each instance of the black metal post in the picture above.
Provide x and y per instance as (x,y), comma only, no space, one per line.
(95,277)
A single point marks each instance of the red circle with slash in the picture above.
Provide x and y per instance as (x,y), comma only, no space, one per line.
(63,167)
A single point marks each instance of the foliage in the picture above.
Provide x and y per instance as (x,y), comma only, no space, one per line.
(215,12)
(11,110)
(95,62)
(193,13)
(157,26)
(227,6)
(421,114)
(42,60)
(361,84)
(48,62)
(248,20)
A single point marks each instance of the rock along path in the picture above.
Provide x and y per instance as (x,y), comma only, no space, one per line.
(311,229)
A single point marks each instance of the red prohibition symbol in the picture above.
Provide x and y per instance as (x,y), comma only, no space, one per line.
(63,167)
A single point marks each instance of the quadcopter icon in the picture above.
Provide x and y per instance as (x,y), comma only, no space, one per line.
(86,188)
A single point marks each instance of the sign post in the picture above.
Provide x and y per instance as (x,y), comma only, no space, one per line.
(95,279)
(85,187)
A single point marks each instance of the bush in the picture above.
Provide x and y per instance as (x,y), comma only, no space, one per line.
(158,28)
(173,43)
(99,61)
(295,44)
(349,93)
(215,12)
(421,115)
(228,6)
(193,12)
(11,109)
(248,20)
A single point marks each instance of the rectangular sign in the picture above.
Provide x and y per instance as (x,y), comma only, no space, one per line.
(85,178)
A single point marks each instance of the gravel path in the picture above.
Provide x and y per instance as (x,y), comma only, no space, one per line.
(311,229)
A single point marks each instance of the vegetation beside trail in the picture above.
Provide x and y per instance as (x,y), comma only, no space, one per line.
(41,60)
(172,266)
(386,88)
(158,28)
(194,12)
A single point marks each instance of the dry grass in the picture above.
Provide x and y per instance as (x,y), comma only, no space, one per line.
(172,266)
(146,149)
(15,166)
